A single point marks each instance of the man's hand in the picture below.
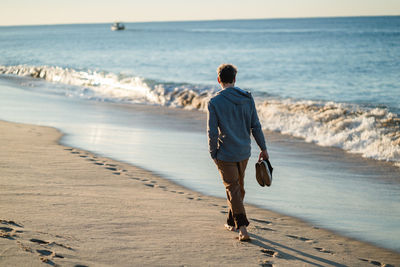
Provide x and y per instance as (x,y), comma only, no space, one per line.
(263,155)
(215,161)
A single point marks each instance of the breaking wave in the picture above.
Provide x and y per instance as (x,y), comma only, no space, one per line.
(107,86)
(372,132)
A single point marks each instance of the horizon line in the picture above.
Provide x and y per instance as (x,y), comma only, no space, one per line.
(200,20)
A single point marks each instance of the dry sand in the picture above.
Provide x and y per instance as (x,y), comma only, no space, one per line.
(64,206)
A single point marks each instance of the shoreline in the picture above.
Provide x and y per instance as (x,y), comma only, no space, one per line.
(305,171)
(270,134)
(277,239)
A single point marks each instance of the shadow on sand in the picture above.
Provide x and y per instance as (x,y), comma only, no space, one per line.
(265,244)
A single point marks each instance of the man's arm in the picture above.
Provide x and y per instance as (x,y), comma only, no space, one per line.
(256,131)
(212,131)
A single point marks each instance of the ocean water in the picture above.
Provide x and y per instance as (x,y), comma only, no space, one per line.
(332,81)
(331,86)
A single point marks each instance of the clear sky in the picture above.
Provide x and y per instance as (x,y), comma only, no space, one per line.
(26,12)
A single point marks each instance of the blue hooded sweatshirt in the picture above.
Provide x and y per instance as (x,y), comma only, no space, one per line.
(232,116)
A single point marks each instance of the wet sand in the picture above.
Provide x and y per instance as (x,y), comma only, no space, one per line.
(64,206)
(338,191)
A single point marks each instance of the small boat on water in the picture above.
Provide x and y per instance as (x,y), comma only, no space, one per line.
(118,26)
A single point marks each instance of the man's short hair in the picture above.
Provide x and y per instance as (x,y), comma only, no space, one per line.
(227,73)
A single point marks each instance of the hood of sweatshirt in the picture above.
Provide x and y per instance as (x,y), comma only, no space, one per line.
(236,95)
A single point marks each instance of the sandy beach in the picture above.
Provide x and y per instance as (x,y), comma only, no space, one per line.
(62,206)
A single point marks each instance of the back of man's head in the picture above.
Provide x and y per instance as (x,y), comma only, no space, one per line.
(227,73)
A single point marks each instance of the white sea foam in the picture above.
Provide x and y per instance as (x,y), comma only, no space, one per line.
(108,86)
(373,132)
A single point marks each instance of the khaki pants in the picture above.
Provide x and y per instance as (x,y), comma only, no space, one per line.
(232,174)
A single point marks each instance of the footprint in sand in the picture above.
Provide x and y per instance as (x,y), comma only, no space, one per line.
(34,240)
(270,253)
(44,252)
(6,229)
(11,223)
(111,165)
(223,212)
(99,163)
(5,232)
(111,168)
(45,255)
(9,232)
(323,250)
(149,185)
(47,260)
(264,228)
(300,238)
(266,264)
(190,198)
(377,263)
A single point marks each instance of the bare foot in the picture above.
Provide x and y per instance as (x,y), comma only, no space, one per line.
(230,227)
(243,234)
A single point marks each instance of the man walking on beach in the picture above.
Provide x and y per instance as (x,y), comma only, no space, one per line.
(232,116)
